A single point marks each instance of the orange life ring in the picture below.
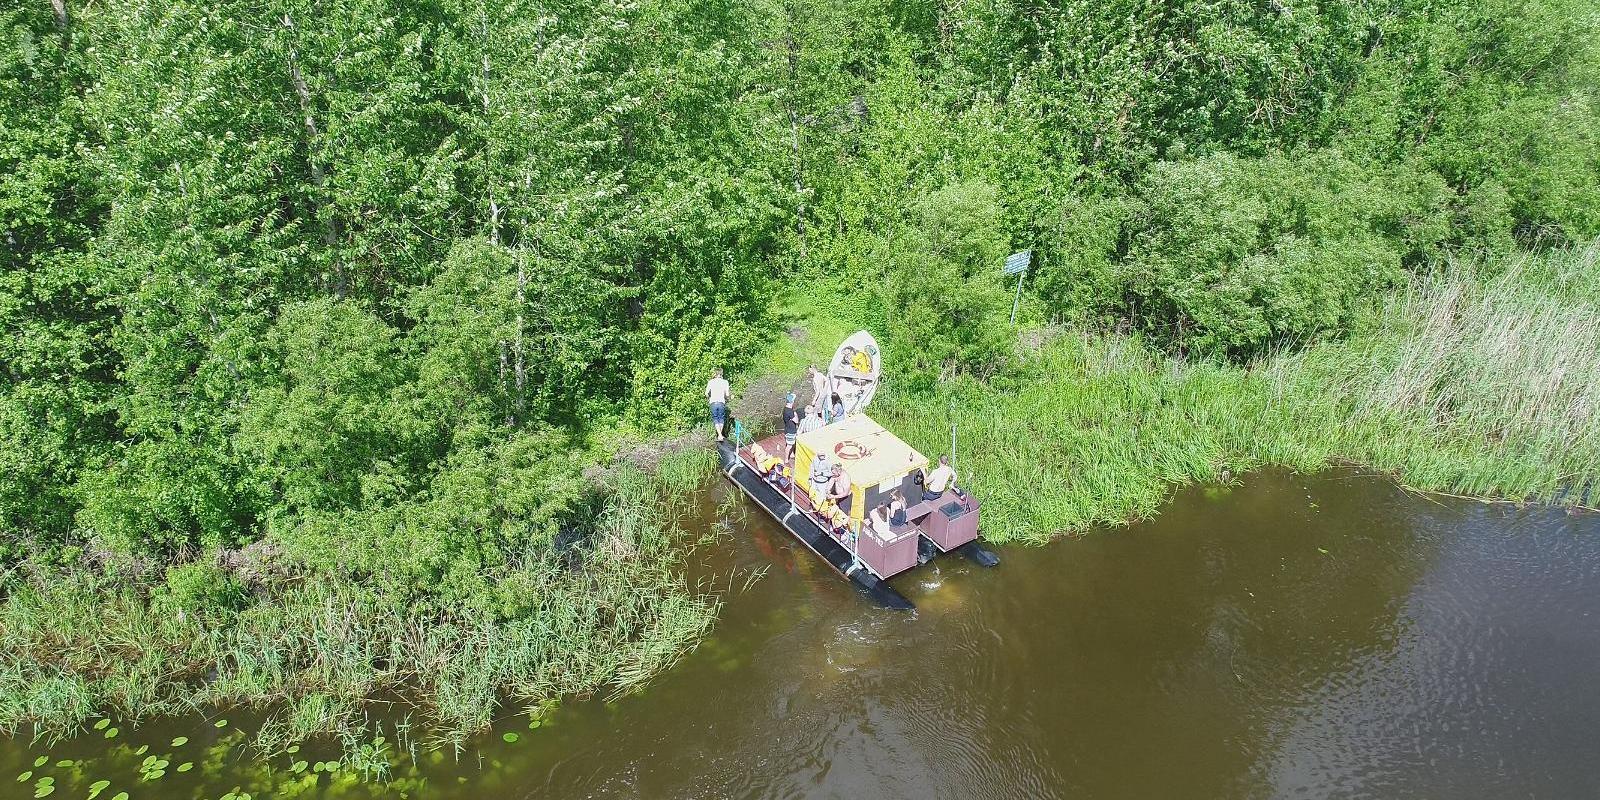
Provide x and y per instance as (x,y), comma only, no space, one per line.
(851,450)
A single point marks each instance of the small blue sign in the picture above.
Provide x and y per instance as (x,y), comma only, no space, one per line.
(1017,263)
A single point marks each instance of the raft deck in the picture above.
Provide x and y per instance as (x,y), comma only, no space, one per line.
(806,529)
(949,523)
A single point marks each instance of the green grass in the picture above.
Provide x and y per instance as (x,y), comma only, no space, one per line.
(604,617)
(1474,381)
(821,315)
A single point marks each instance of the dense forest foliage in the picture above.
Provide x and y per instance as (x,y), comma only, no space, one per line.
(345,289)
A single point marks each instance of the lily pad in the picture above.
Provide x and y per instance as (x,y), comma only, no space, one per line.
(533,725)
(186,766)
(23,778)
(180,741)
(298,767)
(66,763)
(153,768)
(41,761)
(221,723)
(111,733)
(293,748)
(143,748)
(97,787)
(101,725)
(511,736)
(120,796)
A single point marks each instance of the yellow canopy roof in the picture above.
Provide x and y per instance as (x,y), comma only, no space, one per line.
(869,453)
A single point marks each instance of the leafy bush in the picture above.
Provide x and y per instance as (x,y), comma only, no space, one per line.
(1229,255)
(200,588)
(329,417)
(947,309)
(495,503)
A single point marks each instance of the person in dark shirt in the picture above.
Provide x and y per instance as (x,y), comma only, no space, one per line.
(791,427)
(897,509)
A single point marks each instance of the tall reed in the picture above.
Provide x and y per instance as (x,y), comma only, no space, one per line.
(1483,380)
(602,619)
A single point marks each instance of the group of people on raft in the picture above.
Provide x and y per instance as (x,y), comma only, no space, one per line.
(831,495)
(826,407)
(829,488)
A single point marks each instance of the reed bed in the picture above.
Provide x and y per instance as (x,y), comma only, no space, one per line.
(1477,381)
(315,655)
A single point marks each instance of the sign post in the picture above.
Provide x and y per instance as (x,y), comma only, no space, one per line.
(1017,264)
(952,433)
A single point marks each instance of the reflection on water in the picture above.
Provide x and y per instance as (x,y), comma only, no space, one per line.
(1291,637)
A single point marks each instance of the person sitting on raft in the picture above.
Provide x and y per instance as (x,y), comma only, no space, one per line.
(812,420)
(878,519)
(941,478)
(839,488)
(857,360)
(897,509)
(837,404)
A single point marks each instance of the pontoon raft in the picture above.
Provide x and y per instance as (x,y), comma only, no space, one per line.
(877,463)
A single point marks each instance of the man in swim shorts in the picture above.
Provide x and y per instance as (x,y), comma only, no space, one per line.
(717,391)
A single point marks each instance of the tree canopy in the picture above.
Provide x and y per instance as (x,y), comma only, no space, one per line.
(370,269)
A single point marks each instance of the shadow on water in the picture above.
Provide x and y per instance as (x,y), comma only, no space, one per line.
(1327,635)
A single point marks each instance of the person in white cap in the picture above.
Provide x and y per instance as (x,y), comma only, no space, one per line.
(821,473)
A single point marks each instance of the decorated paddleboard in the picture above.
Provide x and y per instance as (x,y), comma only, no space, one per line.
(853,372)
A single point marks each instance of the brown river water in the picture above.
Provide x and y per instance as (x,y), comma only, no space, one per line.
(1294,636)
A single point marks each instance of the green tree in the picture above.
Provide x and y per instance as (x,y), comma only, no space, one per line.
(56,371)
(947,308)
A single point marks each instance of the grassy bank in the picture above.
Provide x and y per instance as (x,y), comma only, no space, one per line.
(1480,379)
(602,613)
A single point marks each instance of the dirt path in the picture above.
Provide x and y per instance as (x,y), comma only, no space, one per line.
(757,406)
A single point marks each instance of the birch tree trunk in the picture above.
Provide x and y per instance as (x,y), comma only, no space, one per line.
(518,366)
(302,92)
